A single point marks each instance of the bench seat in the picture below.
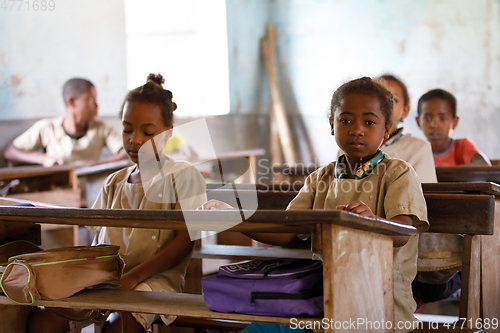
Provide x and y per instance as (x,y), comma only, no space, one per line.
(185,305)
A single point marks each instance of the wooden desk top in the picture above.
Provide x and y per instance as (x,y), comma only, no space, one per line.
(262,220)
(469,174)
(488,188)
(32,171)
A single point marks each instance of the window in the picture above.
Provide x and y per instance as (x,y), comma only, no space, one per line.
(186,42)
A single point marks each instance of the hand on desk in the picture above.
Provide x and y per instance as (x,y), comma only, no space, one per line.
(213,205)
(358,207)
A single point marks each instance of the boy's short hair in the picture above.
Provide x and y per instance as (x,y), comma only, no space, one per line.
(438,93)
(73,88)
(391,77)
(366,86)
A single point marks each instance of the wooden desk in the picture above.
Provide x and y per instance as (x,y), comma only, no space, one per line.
(91,179)
(469,174)
(250,155)
(55,185)
(343,236)
(489,245)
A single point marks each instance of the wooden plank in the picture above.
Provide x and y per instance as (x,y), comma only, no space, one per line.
(268,46)
(461,213)
(236,252)
(463,188)
(11,231)
(469,174)
(357,276)
(301,221)
(470,305)
(33,171)
(148,302)
(63,197)
(490,270)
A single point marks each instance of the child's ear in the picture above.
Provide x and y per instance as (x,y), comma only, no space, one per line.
(455,122)
(418,122)
(331,126)
(70,101)
(406,111)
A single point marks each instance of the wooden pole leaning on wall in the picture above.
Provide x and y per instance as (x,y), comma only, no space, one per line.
(278,114)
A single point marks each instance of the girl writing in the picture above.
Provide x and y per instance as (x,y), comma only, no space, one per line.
(155,259)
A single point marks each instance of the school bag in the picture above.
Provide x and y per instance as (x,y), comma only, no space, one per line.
(276,287)
(60,273)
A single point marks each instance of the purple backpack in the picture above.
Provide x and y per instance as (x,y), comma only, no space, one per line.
(276,287)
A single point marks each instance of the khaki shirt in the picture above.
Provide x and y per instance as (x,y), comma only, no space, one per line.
(393,188)
(139,244)
(49,134)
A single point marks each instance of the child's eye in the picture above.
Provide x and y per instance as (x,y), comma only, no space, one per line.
(149,134)
(344,121)
(443,118)
(369,122)
(427,119)
(128,132)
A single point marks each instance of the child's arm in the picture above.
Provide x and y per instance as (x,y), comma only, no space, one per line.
(271,239)
(359,207)
(30,157)
(169,256)
(480,159)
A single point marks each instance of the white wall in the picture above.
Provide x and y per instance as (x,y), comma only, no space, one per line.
(40,50)
(454,45)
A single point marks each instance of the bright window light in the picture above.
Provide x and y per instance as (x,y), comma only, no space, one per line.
(186,42)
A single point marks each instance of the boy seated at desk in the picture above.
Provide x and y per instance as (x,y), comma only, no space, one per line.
(437,118)
(77,137)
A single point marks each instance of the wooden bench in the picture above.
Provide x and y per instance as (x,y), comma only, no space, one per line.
(342,235)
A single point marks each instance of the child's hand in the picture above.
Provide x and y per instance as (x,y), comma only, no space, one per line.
(214,204)
(128,282)
(358,207)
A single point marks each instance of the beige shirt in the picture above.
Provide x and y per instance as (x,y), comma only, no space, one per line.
(49,134)
(393,188)
(417,152)
(138,244)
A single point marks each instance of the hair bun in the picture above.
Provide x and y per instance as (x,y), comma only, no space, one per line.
(156,78)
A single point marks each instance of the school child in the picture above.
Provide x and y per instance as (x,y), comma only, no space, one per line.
(155,259)
(437,118)
(438,284)
(406,147)
(366,181)
(76,137)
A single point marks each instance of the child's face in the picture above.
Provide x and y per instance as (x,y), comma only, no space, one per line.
(400,111)
(141,122)
(359,127)
(86,106)
(436,121)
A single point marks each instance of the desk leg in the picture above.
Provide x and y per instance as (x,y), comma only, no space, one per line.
(490,270)
(358,277)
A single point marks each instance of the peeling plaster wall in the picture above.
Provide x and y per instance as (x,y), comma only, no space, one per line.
(40,50)
(453,45)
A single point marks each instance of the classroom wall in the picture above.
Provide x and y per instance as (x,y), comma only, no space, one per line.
(41,49)
(454,45)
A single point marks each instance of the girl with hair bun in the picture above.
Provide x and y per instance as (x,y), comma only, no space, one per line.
(155,259)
